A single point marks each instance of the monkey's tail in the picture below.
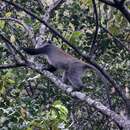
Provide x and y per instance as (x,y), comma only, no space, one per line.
(89,66)
(32,51)
(98,72)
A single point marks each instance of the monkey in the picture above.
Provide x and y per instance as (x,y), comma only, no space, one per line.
(73,68)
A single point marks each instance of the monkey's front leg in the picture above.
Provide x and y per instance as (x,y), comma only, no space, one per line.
(50,68)
(65,77)
(74,79)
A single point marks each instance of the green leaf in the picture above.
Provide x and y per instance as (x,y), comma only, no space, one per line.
(87,2)
(12,38)
(74,38)
(29,129)
(10,81)
(2,24)
(62,110)
(8,14)
(114,29)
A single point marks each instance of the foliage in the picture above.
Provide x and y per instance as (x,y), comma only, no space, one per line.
(36,104)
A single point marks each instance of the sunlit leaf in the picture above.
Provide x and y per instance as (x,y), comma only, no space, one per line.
(21,14)
(23,112)
(49,2)
(87,2)
(11,81)
(114,29)
(62,110)
(74,38)
(2,24)
(12,38)
(8,14)
(29,128)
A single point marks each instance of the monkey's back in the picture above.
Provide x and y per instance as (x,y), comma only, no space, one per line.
(60,59)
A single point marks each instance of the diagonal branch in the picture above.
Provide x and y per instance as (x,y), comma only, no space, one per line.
(108,2)
(17,21)
(116,39)
(40,5)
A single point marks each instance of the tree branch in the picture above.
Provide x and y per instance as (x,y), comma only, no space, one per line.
(40,5)
(93,46)
(46,18)
(17,21)
(108,2)
(116,39)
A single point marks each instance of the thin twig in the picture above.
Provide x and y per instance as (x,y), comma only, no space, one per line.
(17,21)
(40,5)
(93,46)
(116,39)
(13,47)
(10,66)
(28,31)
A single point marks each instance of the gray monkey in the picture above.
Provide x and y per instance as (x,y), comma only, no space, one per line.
(73,68)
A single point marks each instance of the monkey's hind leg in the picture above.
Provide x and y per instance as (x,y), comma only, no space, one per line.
(75,74)
(76,82)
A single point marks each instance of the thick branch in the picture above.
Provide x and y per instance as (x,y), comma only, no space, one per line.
(108,2)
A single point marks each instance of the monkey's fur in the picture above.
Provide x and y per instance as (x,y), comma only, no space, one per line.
(58,59)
